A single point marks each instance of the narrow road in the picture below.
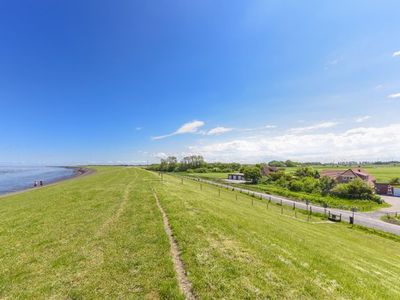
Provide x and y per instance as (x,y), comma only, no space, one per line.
(370,220)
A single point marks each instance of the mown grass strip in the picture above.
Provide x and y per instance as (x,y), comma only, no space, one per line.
(236,250)
(99,236)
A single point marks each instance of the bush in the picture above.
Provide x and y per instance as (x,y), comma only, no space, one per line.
(252,174)
(310,184)
(296,185)
(307,172)
(355,189)
(326,184)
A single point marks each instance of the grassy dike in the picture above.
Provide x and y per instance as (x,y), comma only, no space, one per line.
(102,236)
(99,236)
(235,250)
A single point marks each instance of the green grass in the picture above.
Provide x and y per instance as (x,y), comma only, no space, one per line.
(102,237)
(235,250)
(331,201)
(392,218)
(85,239)
(383,174)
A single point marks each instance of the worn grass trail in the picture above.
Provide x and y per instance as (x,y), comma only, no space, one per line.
(234,250)
(99,236)
(103,237)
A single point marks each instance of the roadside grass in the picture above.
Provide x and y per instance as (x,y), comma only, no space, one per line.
(235,250)
(273,189)
(391,218)
(99,236)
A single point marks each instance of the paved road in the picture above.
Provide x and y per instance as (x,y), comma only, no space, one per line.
(370,220)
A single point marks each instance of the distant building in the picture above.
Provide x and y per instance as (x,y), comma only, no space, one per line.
(346,176)
(387,189)
(384,189)
(236,177)
(267,170)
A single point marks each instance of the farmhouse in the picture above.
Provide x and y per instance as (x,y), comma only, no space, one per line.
(266,170)
(345,176)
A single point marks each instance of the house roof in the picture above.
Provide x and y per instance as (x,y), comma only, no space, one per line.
(358,173)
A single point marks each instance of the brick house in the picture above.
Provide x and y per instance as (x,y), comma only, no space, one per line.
(267,170)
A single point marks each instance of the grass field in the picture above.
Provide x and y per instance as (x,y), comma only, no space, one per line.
(99,236)
(274,189)
(102,236)
(383,174)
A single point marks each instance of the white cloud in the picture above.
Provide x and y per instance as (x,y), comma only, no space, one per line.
(362,119)
(138,128)
(362,143)
(267,126)
(190,127)
(313,127)
(397,53)
(219,130)
(160,155)
(394,96)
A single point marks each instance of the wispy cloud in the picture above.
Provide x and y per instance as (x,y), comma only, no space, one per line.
(138,128)
(394,96)
(313,127)
(397,53)
(333,62)
(362,119)
(268,126)
(190,127)
(219,130)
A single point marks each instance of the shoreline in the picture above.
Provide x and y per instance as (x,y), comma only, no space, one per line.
(78,172)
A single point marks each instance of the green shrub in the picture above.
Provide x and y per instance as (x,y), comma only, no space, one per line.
(252,174)
(296,185)
(307,172)
(355,189)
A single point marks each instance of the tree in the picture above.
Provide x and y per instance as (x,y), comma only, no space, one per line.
(290,163)
(307,172)
(276,163)
(395,181)
(169,164)
(192,162)
(252,174)
(326,184)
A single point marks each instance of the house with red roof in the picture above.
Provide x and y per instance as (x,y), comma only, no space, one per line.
(345,176)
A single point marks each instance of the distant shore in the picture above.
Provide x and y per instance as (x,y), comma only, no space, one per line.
(78,172)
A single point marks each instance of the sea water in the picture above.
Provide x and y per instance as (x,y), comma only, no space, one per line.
(13,179)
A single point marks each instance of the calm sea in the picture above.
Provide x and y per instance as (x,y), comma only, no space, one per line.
(14,179)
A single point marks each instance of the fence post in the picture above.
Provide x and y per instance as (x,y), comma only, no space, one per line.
(294,205)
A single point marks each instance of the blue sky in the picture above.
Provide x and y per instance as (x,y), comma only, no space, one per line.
(133,81)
